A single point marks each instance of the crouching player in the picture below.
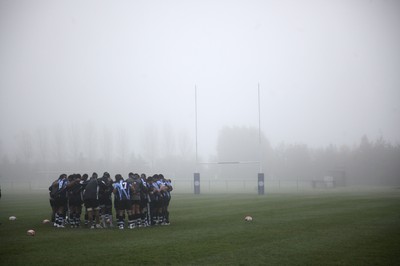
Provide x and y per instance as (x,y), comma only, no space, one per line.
(122,199)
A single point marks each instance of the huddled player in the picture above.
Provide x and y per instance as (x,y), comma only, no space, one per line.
(91,200)
(144,202)
(74,200)
(105,201)
(123,203)
(58,196)
(165,190)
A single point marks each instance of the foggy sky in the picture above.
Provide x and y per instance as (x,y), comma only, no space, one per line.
(328,70)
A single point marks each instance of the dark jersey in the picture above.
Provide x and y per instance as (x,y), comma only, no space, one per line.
(91,190)
(105,188)
(59,189)
(74,192)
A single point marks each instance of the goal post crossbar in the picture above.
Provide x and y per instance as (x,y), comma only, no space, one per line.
(231,162)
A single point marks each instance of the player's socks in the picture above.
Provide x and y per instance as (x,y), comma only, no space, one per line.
(60,220)
(109,219)
(120,221)
(72,220)
(137,219)
(131,221)
(56,220)
(143,218)
(103,220)
(77,220)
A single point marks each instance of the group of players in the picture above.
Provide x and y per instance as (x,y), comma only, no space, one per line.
(141,201)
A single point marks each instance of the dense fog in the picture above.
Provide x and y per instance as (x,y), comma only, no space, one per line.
(308,88)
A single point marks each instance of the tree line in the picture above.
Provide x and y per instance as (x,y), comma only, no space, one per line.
(369,162)
(41,156)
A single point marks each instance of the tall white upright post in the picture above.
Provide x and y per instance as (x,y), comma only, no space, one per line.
(195,106)
(259,131)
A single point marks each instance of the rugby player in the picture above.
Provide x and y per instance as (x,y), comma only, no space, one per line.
(91,200)
(59,195)
(144,202)
(155,198)
(83,183)
(136,199)
(122,200)
(74,200)
(165,190)
(105,191)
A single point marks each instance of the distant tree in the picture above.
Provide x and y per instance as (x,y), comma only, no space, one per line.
(185,145)
(74,142)
(365,145)
(59,143)
(107,145)
(168,140)
(90,140)
(43,143)
(150,145)
(122,145)
(242,144)
(26,145)
(298,162)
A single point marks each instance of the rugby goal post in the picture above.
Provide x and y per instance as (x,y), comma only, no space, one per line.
(260,176)
(260,181)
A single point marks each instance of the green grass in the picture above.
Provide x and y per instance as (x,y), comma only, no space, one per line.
(336,227)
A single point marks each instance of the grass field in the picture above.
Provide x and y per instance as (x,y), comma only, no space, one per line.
(336,227)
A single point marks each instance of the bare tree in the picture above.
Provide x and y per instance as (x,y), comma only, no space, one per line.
(150,145)
(90,140)
(74,142)
(169,141)
(107,145)
(25,145)
(122,144)
(59,143)
(185,144)
(43,143)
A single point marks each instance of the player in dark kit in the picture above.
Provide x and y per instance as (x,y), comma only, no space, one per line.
(122,199)
(91,199)
(137,186)
(52,201)
(165,190)
(58,194)
(144,202)
(84,182)
(105,191)
(75,200)
(154,194)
